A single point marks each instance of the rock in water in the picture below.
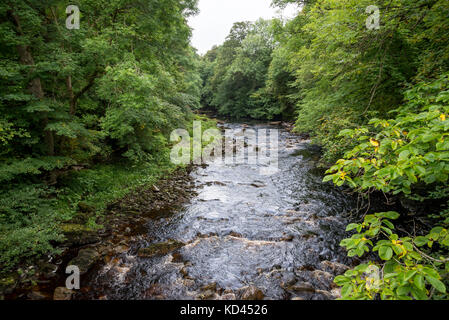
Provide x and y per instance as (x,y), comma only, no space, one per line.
(334,267)
(206,295)
(251,293)
(228,296)
(211,286)
(62,293)
(85,260)
(162,248)
(322,279)
(302,287)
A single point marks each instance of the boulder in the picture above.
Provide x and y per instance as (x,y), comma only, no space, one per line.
(62,293)
(206,295)
(85,260)
(302,287)
(288,280)
(189,283)
(47,269)
(79,235)
(334,267)
(177,258)
(211,286)
(323,279)
(121,249)
(161,248)
(251,293)
(323,295)
(258,184)
(228,296)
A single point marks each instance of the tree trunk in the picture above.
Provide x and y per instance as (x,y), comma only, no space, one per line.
(71,95)
(35,87)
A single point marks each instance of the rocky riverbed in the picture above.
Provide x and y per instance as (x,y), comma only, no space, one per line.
(88,248)
(212,232)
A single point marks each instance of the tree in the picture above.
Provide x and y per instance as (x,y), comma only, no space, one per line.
(108,92)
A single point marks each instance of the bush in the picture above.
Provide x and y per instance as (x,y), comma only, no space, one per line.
(28,223)
(396,156)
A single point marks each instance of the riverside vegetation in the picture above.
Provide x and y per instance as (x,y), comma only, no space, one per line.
(86,116)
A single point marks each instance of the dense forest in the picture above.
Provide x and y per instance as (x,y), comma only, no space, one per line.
(102,98)
(86,116)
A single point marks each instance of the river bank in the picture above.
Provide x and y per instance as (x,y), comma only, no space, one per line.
(88,247)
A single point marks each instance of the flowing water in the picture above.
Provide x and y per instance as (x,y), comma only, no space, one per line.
(242,229)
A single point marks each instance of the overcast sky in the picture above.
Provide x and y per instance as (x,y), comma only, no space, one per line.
(216,17)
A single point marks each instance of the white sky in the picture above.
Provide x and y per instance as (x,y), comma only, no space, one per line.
(216,17)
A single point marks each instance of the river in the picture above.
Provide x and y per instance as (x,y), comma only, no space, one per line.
(276,236)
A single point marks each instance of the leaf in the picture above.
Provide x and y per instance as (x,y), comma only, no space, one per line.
(393,215)
(340,280)
(409,274)
(388,224)
(345,132)
(419,281)
(403,290)
(420,241)
(430,136)
(404,155)
(346,290)
(352,226)
(437,284)
(419,294)
(385,253)
(374,142)
(390,266)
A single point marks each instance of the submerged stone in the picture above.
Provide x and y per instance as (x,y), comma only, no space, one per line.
(161,248)
(302,287)
(251,293)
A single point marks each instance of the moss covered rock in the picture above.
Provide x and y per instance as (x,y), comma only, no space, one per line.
(78,234)
(85,260)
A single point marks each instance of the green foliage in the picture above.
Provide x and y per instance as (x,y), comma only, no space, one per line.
(235,75)
(28,222)
(393,155)
(10,169)
(31,215)
(407,271)
(346,74)
(394,139)
(98,98)
(118,85)
(396,156)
